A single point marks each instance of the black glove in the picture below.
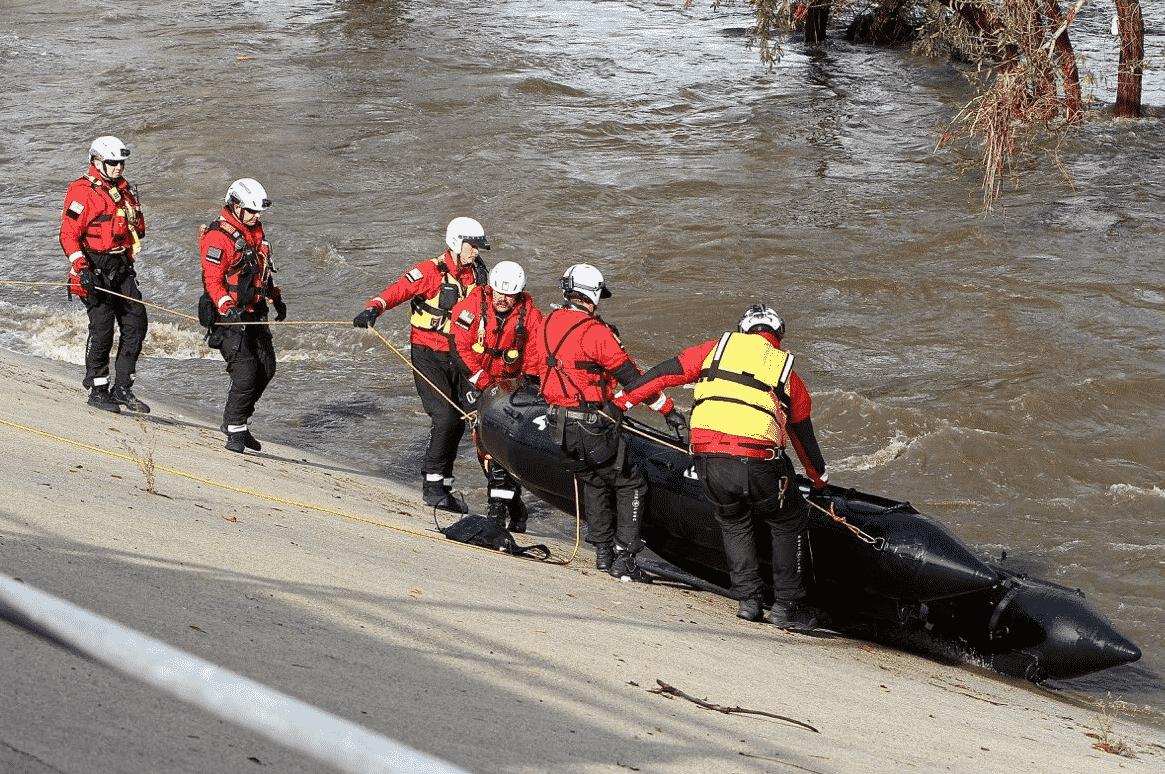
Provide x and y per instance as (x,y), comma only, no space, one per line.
(367,318)
(679,425)
(280,310)
(86,279)
(471,396)
(232,315)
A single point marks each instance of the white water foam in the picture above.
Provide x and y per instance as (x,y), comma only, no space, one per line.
(892,451)
(1128,491)
(60,334)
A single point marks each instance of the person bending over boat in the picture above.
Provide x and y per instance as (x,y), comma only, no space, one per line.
(491,328)
(583,357)
(749,403)
(238,282)
(433,287)
(101,230)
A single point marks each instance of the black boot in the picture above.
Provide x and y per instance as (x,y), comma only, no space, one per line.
(498,511)
(792,616)
(99,397)
(625,568)
(436,494)
(749,609)
(124,395)
(604,556)
(250,441)
(237,442)
(518,515)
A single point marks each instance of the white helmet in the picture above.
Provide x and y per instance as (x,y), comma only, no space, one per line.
(587,280)
(507,278)
(249,194)
(108,148)
(759,317)
(465,230)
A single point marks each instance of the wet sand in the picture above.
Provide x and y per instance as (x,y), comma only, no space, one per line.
(494,663)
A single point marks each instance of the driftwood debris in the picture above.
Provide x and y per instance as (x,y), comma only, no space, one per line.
(670,690)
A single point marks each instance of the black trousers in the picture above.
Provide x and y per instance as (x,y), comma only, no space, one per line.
(613,490)
(747,493)
(250,357)
(104,310)
(446,425)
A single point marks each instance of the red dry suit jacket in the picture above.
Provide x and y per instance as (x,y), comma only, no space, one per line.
(475,321)
(99,217)
(581,358)
(226,263)
(424,280)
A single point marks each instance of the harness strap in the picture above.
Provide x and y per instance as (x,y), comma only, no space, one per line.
(552,359)
(737,401)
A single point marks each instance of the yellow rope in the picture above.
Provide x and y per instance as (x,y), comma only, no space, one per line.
(238,489)
(577,527)
(470,417)
(174,312)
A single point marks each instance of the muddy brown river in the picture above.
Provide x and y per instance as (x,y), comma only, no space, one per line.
(1003,371)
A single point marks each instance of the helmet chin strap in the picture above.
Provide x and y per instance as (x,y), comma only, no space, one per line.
(101,170)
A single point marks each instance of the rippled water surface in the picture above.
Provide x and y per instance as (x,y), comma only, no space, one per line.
(1004,372)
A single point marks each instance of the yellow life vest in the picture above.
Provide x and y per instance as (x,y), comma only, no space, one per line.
(432,313)
(743,389)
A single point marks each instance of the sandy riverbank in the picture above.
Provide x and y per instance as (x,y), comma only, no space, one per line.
(493,663)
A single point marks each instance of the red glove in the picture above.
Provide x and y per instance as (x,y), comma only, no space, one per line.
(80,278)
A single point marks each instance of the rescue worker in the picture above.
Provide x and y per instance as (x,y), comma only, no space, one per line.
(237,277)
(101,230)
(433,287)
(749,403)
(491,328)
(582,357)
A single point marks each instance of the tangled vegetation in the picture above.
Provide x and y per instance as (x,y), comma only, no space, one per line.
(1027,81)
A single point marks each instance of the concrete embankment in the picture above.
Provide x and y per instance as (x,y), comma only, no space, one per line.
(328,583)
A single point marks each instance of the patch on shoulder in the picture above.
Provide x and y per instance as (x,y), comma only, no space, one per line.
(414,275)
(465,319)
(75,209)
(214,255)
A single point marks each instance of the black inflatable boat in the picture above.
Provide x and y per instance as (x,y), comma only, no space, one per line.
(915,578)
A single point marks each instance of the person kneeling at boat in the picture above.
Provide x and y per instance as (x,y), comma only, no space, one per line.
(237,280)
(491,328)
(749,403)
(582,357)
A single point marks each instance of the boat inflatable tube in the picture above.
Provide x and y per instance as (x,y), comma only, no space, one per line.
(917,577)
